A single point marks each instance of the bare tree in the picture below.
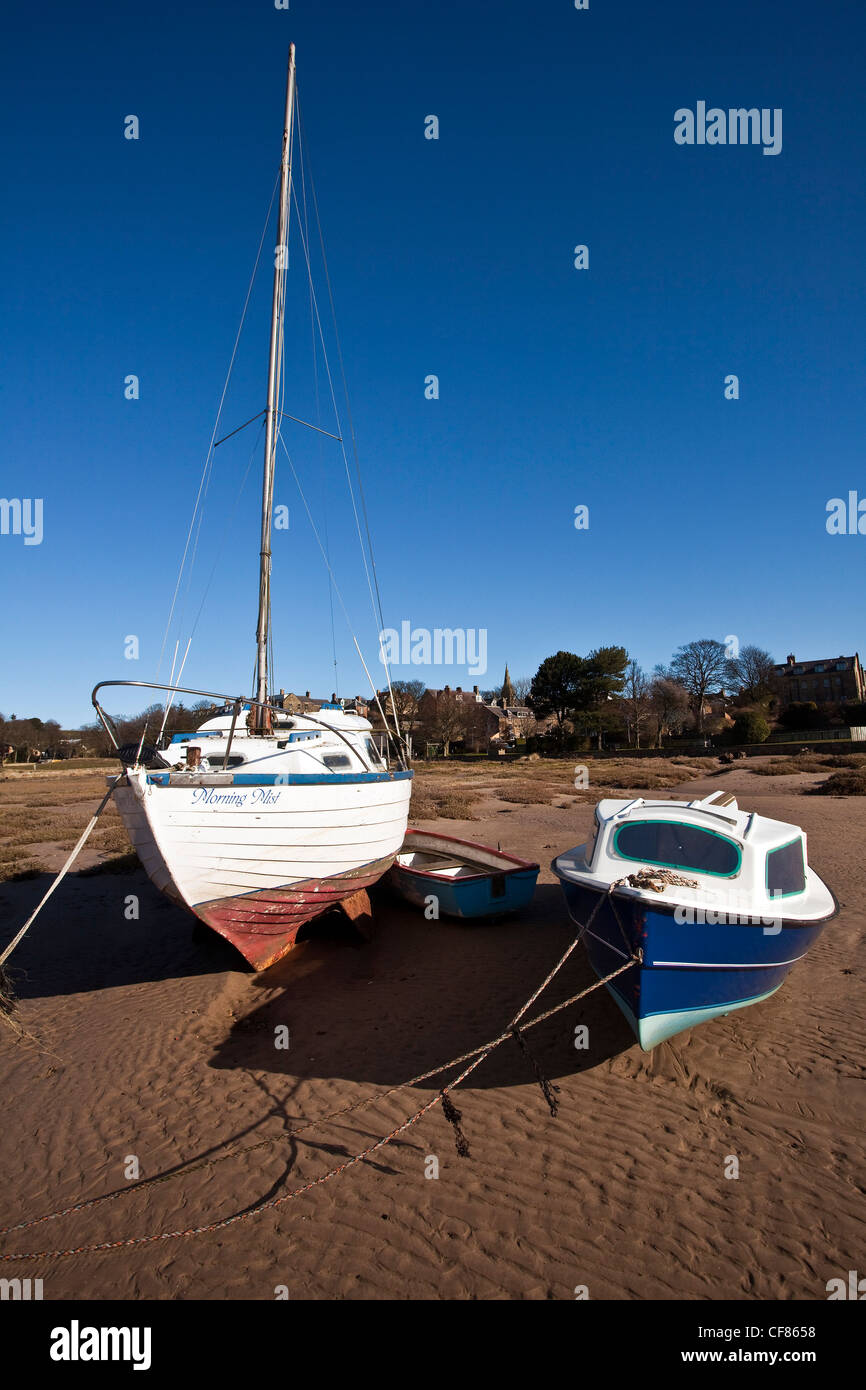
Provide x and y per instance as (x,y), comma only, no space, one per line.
(522,686)
(636,700)
(407,697)
(475,725)
(753,671)
(669,704)
(445,719)
(698,666)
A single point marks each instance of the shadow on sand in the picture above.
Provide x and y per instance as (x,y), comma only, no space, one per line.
(83,939)
(421,993)
(379,1011)
(372,1012)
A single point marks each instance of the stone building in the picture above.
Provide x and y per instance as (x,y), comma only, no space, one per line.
(311,704)
(834,680)
(484,724)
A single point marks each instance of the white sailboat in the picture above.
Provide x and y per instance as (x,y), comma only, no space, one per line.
(262,819)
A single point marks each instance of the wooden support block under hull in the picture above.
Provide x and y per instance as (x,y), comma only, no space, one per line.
(264,926)
(359,912)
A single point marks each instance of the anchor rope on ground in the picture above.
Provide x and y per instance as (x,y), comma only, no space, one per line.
(7,995)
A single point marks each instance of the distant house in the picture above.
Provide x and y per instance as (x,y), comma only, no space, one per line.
(717,707)
(470,725)
(311,704)
(831,681)
(485,724)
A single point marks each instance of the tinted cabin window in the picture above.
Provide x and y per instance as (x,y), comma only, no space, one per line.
(335,760)
(678,846)
(786,871)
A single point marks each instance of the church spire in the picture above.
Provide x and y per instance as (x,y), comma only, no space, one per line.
(508,696)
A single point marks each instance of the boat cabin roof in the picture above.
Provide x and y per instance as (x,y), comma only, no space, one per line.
(331,716)
(721,858)
(718,812)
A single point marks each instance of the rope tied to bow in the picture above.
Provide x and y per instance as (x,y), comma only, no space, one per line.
(656,880)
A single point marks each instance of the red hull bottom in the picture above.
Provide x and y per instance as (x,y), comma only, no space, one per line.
(264,926)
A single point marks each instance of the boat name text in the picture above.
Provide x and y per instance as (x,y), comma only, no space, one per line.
(259,796)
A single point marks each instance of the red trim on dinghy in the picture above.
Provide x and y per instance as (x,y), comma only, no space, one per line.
(484,870)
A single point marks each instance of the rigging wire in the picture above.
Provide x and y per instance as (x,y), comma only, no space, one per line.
(227,526)
(315,345)
(376,601)
(270,463)
(350,419)
(204,483)
(342,604)
(194,532)
(344,381)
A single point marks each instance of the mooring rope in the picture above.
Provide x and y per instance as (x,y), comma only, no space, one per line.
(474,1058)
(63,872)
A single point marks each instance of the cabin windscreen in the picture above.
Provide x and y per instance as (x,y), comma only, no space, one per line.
(677,846)
(786,870)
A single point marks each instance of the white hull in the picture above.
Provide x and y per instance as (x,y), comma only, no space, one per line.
(257,861)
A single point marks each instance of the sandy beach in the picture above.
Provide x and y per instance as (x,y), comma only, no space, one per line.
(157,1044)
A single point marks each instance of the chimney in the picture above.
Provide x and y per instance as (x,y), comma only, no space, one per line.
(791,658)
(307,696)
(475,690)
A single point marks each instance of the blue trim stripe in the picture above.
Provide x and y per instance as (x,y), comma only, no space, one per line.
(293,779)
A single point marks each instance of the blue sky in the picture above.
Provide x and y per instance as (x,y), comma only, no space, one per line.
(454,257)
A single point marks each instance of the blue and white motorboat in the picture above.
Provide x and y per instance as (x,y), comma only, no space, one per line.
(714,904)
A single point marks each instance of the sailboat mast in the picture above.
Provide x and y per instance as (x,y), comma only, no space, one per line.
(271,423)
